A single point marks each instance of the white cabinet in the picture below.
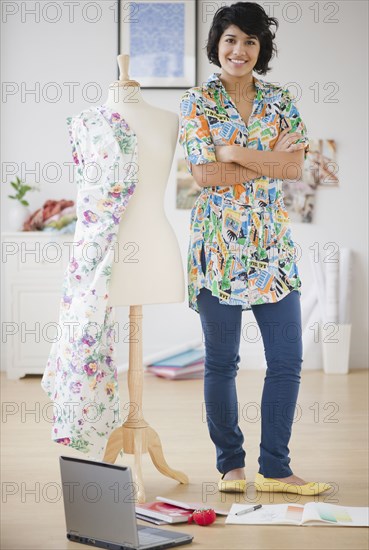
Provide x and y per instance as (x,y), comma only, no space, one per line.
(33,265)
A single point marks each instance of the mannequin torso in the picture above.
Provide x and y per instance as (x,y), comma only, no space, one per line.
(148,266)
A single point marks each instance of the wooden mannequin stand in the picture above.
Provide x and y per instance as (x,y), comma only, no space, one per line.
(135,436)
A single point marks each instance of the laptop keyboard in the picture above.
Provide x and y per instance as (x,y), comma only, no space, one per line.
(150,538)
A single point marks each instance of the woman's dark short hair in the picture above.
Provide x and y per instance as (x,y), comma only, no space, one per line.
(251,19)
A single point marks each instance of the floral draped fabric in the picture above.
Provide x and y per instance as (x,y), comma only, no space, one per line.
(244,229)
(81,376)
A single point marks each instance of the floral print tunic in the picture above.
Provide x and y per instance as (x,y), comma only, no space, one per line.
(245,228)
(81,376)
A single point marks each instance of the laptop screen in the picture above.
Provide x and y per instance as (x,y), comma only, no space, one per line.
(99,500)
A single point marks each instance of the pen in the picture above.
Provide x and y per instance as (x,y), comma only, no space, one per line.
(248,510)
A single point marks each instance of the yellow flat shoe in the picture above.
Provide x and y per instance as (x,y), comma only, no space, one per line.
(270,485)
(231,485)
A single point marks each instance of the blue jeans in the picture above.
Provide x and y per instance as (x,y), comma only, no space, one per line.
(280,327)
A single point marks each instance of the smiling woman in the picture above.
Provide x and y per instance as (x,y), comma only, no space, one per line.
(236,128)
(247,28)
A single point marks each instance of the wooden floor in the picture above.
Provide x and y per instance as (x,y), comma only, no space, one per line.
(329,443)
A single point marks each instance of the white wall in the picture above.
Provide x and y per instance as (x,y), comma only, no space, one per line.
(312,53)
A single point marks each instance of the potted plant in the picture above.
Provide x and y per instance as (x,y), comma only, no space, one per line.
(19,211)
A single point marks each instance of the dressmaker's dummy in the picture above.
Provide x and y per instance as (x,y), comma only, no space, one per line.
(156,277)
(149,267)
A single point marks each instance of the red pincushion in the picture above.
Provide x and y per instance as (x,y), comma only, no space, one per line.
(204,516)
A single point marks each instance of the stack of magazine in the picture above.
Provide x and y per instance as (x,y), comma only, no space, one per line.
(165,510)
(185,365)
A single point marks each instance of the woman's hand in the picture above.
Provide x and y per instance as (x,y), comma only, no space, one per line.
(285,142)
(225,153)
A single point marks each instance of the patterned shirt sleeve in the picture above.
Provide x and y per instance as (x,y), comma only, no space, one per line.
(195,136)
(289,112)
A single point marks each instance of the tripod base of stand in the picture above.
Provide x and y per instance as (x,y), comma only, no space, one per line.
(136,438)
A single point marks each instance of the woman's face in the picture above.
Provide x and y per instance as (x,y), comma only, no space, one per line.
(237,52)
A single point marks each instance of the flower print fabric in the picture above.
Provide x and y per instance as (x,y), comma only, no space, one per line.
(81,375)
(244,229)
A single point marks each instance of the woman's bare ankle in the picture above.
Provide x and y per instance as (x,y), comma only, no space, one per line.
(237,473)
(293,479)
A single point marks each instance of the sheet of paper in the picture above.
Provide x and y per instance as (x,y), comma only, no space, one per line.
(345,286)
(333,514)
(332,270)
(319,279)
(268,514)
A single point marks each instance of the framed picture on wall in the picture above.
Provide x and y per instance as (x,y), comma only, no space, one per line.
(160,37)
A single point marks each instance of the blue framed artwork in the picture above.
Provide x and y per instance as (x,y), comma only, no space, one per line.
(160,37)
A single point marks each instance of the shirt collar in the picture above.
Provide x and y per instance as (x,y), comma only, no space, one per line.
(215,82)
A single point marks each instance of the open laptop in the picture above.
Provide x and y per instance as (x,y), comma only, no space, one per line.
(99,504)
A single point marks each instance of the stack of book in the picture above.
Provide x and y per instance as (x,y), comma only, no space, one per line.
(165,510)
(161,512)
(185,365)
